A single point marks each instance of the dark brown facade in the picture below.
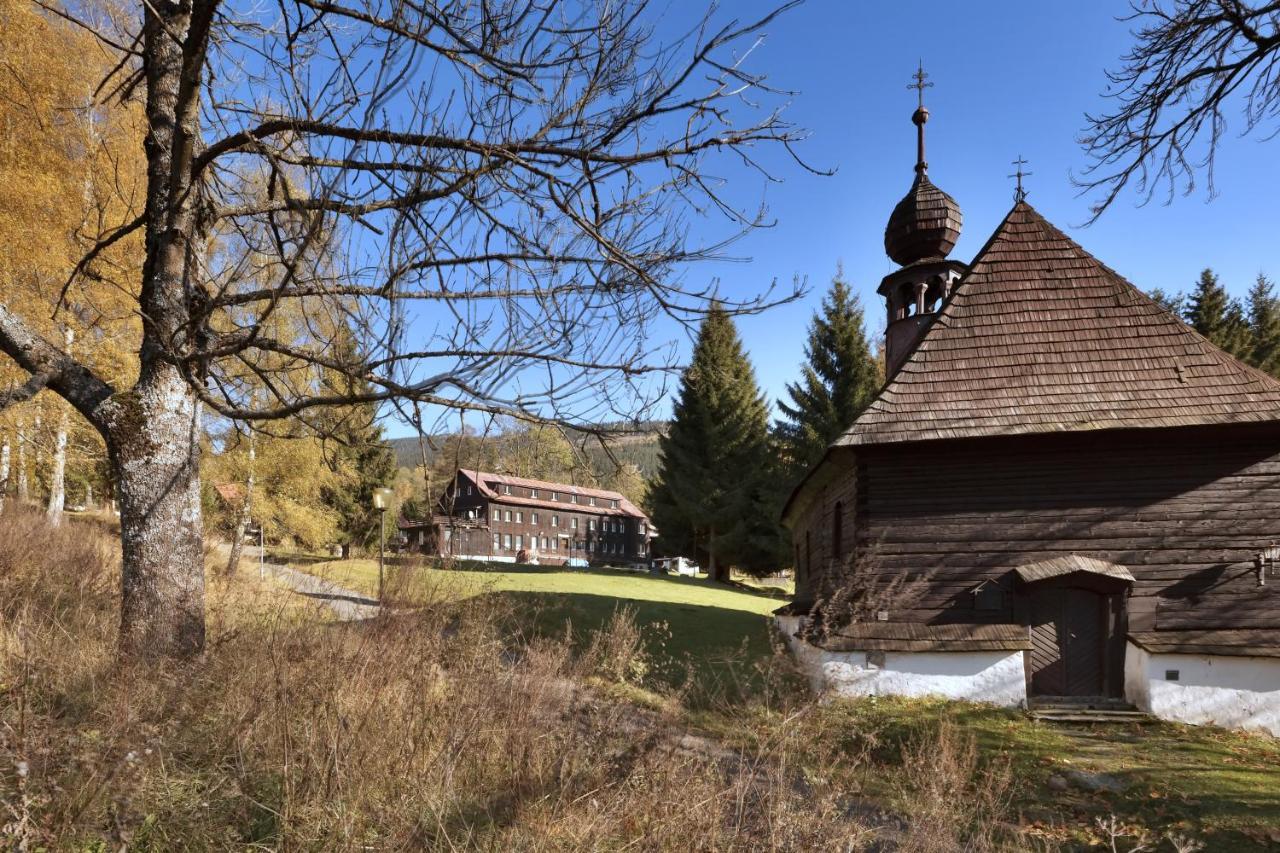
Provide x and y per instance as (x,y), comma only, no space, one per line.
(514,519)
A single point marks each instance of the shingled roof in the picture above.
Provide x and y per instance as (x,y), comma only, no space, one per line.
(1040,336)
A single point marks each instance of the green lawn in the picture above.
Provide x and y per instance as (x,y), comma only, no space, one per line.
(716,631)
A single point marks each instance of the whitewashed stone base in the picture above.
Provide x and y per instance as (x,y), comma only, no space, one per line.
(1233,692)
(997,677)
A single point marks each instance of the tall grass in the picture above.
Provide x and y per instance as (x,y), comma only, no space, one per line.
(443,728)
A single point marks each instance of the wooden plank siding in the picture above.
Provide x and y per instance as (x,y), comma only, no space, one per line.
(1186,510)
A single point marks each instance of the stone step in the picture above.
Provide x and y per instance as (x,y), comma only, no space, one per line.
(1085,715)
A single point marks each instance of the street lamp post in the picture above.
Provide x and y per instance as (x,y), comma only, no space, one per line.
(381,501)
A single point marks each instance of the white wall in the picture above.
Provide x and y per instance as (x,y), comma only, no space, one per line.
(1234,692)
(995,676)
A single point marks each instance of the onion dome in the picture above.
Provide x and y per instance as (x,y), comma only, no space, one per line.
(926,223)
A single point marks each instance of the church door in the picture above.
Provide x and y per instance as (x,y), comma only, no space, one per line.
(1069,639)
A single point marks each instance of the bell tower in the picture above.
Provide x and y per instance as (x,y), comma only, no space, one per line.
(922,229)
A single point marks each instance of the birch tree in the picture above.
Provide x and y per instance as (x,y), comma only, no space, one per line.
(511,183)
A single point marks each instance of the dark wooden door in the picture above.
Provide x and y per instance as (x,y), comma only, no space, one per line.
(1069,639)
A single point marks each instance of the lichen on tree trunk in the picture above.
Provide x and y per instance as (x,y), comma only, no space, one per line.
(155,456)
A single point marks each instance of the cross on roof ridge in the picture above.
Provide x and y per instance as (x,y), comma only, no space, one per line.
(919,85)
(1020,194)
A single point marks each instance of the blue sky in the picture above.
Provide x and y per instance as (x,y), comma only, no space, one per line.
(1010,78)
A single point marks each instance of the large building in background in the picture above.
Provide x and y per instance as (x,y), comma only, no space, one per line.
(499,518)
(1061,493)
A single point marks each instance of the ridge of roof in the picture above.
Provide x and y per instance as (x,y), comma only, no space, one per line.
(481,478)
(1040,336)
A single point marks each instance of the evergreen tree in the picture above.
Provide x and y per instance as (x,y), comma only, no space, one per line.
(360,456)
(1214,314)
(839,379)
(364,462)
(1264,326)
(716,491)
(1174,303)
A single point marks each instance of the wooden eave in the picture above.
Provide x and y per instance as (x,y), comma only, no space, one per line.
(1262,643)
(913,637)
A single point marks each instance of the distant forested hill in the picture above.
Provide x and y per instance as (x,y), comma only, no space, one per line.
(639,448)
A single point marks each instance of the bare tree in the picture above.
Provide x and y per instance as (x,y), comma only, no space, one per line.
(1192,60)
(495,194)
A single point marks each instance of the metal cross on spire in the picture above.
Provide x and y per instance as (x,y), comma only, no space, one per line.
(920,76)
(1020,194)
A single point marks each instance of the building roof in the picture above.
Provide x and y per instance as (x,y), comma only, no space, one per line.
(231,493)
(1039,336)
(1069,564)
(1258,642)
(482,479)
(912,637)
(924,225)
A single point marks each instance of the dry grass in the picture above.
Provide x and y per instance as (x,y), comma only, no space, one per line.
(450,727)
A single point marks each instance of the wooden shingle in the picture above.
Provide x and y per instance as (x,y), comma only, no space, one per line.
(1039,336)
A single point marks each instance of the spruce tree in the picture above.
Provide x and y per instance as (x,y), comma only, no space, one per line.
(1264,326)
(1214,314)
(715,495)
(365,462)
(838,380)
(360,455)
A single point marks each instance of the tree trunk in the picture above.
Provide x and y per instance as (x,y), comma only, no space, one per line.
(713,567)
(4,471)
(246,515)
(58,476)
(155,457)
(24,487)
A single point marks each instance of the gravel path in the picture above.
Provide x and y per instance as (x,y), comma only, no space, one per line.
(347,604)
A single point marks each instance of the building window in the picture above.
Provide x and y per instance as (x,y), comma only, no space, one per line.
(573,524)
(573,498)
(468,489)
(497,542)
(507,515)
(519,517)
(506,490)
(553,497)
(591,524)
(533,493)
(555,521)
(533,518)
(592,501)
(506,541)
(837,531)
(613,504)
(642,528)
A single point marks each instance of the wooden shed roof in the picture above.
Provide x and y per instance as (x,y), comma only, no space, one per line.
(1040,336)
(1260,642)
(913,637)
(1069,564)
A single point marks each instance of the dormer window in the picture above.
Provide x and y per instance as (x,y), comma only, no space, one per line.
(533,493)
(592,501)
(613,504)
(506,490)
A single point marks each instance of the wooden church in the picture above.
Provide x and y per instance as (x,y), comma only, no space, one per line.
(1061,491)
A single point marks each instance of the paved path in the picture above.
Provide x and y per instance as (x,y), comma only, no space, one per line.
(346,604)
